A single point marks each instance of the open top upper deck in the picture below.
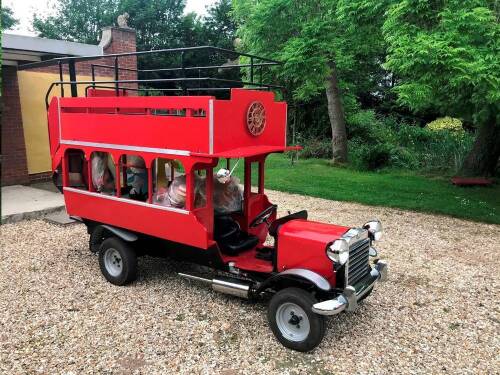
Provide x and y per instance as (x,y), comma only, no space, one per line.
(221,108)
(249,122)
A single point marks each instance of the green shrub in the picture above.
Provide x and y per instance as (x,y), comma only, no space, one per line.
(372,142)
(316,148)
(365,127)
(414,137)
(403,158)
(376,142)
(356,154)
(445,152)
(446,123)
(378,156)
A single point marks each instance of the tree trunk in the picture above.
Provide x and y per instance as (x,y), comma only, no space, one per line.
(336,115)
(482,160)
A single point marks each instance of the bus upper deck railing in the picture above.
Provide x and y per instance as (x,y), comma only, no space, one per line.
(184,84)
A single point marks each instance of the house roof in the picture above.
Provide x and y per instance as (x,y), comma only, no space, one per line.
(21,48)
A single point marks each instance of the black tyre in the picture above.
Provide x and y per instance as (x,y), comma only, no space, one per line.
(292,320)
(97,237)
(118,261)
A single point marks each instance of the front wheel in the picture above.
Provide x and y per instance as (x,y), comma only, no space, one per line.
(292,320)
(118,261)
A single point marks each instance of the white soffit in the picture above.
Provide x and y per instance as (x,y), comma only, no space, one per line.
(48,46)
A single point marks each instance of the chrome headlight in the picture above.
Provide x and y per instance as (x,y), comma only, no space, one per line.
(338,251)
(375,229)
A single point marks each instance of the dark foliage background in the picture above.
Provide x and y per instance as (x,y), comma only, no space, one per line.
(387,96)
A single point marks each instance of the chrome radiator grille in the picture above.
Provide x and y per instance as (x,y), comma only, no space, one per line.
(358,265)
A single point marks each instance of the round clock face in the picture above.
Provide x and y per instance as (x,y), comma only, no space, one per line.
(256,118)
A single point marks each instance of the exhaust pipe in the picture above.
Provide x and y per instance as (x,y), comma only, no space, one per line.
(226,285)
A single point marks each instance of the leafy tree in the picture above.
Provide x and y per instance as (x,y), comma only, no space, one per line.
(219,26)
(158,23)
(77,20)
(330,46)
(8,20)
(446,54)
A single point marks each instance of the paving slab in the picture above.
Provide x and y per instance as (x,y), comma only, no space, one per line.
(21,202)
(60,218)
(45,185)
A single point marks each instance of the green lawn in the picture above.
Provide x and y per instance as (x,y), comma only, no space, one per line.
(404,190)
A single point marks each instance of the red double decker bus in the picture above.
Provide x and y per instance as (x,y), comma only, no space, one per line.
(154,175)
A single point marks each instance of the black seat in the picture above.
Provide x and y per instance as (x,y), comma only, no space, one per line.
(230,238)
(243,242)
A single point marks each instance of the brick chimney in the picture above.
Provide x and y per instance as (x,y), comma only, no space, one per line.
(121,40)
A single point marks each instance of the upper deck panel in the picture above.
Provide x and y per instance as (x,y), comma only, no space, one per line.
(234,121)
(172,124)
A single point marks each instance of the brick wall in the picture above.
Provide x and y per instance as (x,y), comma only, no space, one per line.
(122,41)
(14,165)
(40,177)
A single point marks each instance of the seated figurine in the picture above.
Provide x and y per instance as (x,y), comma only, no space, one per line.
(227,193)
(175,194)
(137,178)
(103,176)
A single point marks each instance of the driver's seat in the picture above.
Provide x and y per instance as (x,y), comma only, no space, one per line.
(230,238)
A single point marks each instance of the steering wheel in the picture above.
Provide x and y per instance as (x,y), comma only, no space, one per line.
(263,216)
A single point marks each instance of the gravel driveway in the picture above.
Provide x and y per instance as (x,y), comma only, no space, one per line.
(438,313)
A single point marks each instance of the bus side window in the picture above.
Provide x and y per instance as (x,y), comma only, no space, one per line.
(134,177)
(169,183)
(103,172)
(77,169)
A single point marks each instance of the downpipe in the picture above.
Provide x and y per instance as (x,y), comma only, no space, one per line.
(226,285)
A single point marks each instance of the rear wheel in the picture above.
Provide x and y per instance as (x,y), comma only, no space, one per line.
(118,261)
(97,237)
(292,320)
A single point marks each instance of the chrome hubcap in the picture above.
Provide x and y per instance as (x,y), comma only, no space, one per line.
(292,321)
(113,262)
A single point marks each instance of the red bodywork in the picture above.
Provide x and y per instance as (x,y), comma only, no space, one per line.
(303,244)
(203,130)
